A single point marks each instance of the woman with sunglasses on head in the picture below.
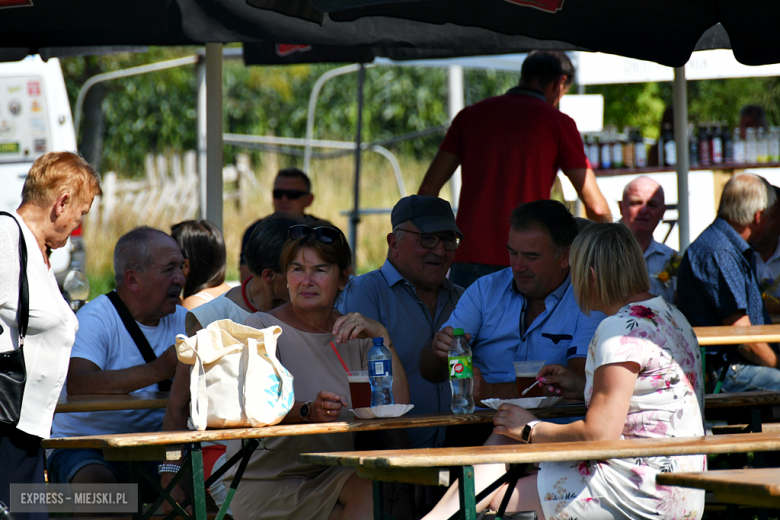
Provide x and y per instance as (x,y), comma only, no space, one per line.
(275,486)
(265,289)
(643,380)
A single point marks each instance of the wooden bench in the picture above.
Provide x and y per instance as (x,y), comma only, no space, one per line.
(427,465)
(102,403)
(753,487)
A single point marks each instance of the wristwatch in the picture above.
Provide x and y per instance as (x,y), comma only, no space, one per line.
(526,435)
(305,411)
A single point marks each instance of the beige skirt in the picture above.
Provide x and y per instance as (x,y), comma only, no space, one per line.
(290,498)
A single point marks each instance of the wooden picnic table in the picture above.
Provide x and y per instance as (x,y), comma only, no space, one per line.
(112,402)
(753,487)
(161,446)
(427,465)
(728,335)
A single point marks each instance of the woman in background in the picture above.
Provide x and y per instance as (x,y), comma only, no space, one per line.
(205,261)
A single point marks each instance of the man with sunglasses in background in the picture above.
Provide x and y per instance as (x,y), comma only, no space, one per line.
(292,195)
(526,312)
(411,296)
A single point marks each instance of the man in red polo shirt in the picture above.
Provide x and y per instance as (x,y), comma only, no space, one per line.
(510,148)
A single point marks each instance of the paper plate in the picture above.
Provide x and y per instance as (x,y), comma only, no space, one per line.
(529,403)
(384,411)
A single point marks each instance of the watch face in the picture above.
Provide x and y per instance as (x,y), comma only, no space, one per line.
(305,410)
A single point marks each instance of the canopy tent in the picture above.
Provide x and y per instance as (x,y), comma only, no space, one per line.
(457,27)
(665,31)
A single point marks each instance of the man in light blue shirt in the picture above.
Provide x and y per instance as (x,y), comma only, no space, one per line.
(524,312)
(411,296)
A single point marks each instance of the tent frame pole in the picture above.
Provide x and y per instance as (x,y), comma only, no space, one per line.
(683,159)
(354,219)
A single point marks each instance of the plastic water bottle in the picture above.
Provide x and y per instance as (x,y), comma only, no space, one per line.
(5,513)
(77,286)
(461,375)
(380,373)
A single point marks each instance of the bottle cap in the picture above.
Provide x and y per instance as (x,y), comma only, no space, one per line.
(379,341)
(457,332)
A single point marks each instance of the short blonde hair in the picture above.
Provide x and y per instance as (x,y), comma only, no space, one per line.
(614,254)
(744,195)
(56,172)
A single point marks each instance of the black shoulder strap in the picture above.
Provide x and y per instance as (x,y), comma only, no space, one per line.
(23,312)
(138,336)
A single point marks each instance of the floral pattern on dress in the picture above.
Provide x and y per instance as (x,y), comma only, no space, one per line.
(668,401)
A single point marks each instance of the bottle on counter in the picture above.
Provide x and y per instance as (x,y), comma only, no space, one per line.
(716,144)
(738,147)
(751,146)
(461,374)
(617,151)
(693,145)
(594,152)
(762,145)
(380,373)
(705,146)
(669,146)
(640,149)
(774,144)
(606,150)
(728,144)
(629,150)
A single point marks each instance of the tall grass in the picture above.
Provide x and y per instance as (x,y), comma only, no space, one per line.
(332,185)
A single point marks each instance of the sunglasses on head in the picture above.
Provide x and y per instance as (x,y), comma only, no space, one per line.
(290,194)
(324,234)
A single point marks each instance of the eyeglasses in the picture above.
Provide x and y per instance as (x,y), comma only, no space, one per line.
(324,234)
(290,194)
(430,241)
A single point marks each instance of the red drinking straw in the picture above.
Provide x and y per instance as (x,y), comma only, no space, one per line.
(339,355)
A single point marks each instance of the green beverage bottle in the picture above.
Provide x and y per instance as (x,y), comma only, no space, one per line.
(461,375)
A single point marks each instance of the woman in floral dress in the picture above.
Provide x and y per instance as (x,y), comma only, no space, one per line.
(643,379)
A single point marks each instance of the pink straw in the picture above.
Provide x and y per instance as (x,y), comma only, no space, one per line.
(339,355)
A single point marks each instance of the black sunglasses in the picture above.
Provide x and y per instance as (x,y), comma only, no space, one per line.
(290,194)
(430,241)
(325,234)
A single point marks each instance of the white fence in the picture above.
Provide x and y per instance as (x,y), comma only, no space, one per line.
(169,190)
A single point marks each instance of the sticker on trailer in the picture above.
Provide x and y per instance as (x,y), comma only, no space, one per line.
(9,148)
(34,88)
(7,129)
(25,125)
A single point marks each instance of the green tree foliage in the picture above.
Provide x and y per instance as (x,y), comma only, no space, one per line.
(146,113)
(157,112)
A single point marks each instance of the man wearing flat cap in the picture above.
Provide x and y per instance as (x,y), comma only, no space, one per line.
(412,297)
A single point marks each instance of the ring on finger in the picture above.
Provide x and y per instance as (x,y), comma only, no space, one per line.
(327,412)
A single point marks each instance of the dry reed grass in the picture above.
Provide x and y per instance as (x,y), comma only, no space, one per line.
(332,182)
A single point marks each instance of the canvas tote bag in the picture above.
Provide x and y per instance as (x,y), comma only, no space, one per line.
(236,380)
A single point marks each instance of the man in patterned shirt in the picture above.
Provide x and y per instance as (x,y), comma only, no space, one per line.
(717,282)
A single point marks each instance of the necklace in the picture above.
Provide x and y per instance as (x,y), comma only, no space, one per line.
(309,324)
(243,293)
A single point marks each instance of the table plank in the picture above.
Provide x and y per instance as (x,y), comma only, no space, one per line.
(728,335)
(718,401)
(102,403)
(758,487)
(548,452)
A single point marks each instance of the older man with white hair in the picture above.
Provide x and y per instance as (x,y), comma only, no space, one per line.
(642,209)
(717,282)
